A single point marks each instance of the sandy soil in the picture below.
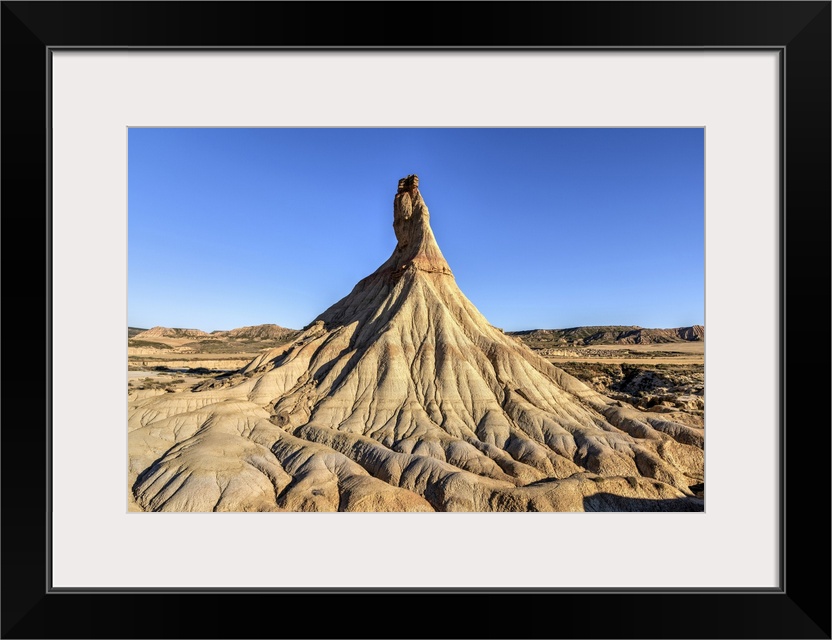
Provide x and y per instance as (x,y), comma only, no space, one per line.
(669,353)
(659,358)
(670,347)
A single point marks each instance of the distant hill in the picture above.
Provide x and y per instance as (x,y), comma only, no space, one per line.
(257,332)
(609,335)
(165,332)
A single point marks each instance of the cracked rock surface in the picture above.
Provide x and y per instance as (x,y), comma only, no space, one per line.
(402,397)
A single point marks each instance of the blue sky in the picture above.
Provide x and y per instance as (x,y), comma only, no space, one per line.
(543,228)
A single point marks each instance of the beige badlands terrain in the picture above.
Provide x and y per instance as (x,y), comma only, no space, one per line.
(402,397)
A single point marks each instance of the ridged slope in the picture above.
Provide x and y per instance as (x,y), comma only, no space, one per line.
(401,396)
(166,332)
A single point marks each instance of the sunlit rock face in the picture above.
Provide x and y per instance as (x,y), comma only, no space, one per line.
(402,397)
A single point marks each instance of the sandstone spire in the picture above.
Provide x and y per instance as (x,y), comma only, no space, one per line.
(401,396)
(411,222)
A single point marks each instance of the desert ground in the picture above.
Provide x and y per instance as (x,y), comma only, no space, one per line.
(639,374)
(402,397)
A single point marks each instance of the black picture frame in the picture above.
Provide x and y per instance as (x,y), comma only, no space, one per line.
(799,608)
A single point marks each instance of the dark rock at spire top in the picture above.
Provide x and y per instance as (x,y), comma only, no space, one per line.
(410,183)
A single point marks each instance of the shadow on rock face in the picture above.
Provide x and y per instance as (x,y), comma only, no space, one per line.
(402,397)
(612,502)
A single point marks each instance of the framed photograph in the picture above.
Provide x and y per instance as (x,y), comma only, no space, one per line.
(87,86)
(386,385)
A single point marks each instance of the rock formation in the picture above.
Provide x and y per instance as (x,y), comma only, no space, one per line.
(402,397)
(257,332)
(165,332)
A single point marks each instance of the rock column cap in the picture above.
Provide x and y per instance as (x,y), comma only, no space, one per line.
(408,183)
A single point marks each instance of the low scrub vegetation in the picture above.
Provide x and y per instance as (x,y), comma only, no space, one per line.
(148,344)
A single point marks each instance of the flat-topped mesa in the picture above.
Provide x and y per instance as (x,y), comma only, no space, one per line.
(411,223)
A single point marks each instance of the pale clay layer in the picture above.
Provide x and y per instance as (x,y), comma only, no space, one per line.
(402,397)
